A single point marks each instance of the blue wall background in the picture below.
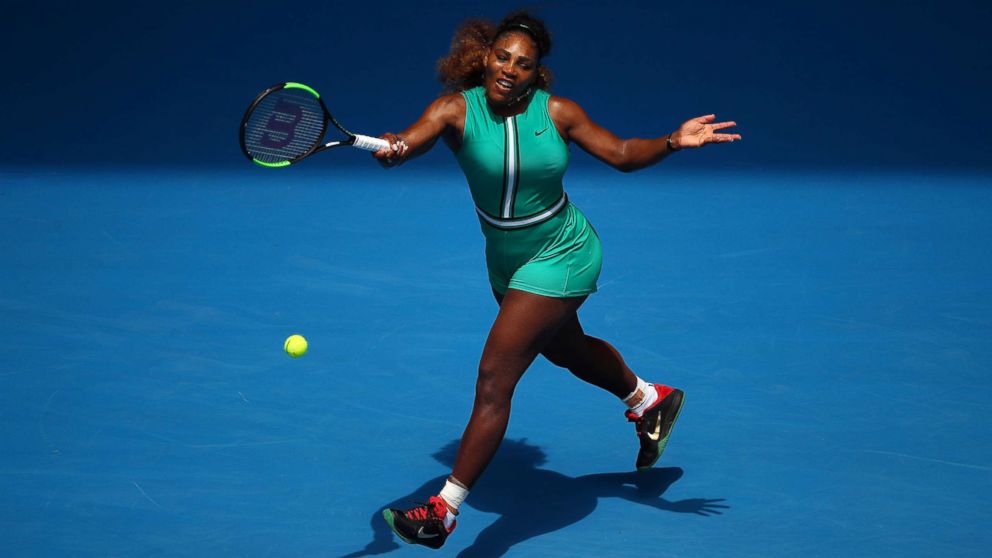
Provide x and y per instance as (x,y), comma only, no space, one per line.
(828,85)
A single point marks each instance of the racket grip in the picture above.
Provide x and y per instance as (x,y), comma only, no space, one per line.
(370,143)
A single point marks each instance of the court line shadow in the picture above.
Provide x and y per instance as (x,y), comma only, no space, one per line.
(532,501)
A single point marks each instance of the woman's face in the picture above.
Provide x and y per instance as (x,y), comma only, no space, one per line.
(511,67)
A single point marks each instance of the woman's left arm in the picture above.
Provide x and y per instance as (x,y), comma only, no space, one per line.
(635,153)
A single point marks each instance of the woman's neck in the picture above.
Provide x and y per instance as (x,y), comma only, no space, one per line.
(513,107)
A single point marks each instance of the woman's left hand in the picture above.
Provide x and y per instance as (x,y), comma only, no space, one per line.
(700,131)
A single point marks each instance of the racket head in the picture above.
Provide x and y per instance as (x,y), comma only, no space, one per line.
(283,124)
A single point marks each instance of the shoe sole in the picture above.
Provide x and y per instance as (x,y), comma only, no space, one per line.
(387,514)
(663,443)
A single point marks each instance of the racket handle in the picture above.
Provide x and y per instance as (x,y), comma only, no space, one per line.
(370,143)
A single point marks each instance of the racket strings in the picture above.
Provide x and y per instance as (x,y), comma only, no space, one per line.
(284,125)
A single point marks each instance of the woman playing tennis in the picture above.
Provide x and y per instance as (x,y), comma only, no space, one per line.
(510,137)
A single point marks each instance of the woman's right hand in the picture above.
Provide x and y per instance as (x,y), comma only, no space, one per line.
(396,153)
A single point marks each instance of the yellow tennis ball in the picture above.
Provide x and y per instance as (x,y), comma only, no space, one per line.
(296,346)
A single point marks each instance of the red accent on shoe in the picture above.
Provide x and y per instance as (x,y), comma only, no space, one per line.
(439,508)
(663,392)
(418,514)
(435,508)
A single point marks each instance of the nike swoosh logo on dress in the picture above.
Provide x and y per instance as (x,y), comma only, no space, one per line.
(536,133)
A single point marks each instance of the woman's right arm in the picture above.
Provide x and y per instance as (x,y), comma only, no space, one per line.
(445,115)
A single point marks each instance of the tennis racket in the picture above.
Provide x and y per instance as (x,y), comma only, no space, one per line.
(287,122)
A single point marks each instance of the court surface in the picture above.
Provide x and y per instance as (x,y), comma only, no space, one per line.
(832,333)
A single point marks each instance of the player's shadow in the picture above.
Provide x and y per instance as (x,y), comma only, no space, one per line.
(532,501)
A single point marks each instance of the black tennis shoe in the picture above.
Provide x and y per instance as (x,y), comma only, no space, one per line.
(654,426)
(423,524)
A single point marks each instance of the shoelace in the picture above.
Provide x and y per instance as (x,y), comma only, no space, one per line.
(434,508)
(418,513)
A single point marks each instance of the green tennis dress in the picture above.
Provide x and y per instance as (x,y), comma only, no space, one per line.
(536,240)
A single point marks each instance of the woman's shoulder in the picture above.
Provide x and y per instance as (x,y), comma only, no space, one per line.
(451,99)
(448,106)
(561,103)
(563,109)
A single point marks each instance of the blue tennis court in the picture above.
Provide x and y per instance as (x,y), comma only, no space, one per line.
(831,332)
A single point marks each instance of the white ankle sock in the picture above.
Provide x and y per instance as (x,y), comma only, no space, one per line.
(650,396)
(641,387)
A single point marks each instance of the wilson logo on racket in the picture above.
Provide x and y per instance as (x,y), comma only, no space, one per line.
(279,129)
(287,122)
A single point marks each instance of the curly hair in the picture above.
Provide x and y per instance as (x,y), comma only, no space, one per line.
(464,66)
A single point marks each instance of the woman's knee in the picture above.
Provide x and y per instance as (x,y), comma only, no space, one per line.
(495,383)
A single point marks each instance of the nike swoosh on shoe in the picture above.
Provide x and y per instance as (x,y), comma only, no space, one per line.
(656,435)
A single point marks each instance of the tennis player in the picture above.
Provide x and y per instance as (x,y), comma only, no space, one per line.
(510,137)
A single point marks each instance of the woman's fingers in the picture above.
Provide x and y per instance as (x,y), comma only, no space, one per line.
(723,138)
(701,130)
(386,151)
(394,154)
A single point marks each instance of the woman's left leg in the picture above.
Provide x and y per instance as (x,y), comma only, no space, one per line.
(525,324)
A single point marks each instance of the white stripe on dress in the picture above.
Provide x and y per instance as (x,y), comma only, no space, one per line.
(509,187)
(525,221)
